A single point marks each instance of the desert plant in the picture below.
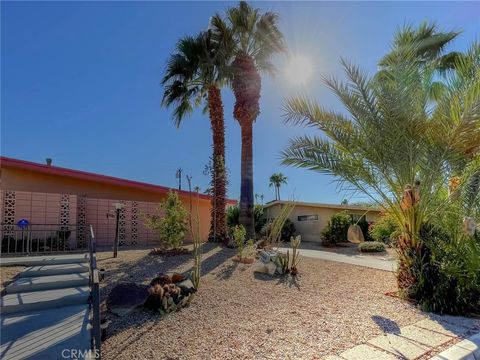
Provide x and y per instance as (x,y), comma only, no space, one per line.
(336,229)
(170,222)
(194,224)
(239,233)
(273,230)
(295,243)
(371,246)
(283,262)
(248,251)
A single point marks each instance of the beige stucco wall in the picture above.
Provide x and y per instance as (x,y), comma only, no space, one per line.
(31,181)
(310,230)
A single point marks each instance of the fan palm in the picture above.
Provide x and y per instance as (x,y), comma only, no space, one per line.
(395,146)
(276,180)
(256,38)
(195,72)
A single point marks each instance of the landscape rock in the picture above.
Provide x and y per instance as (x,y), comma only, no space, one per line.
(126,297)
(260,267)
(271,267)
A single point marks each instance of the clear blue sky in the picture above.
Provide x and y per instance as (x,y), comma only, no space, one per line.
(80,83)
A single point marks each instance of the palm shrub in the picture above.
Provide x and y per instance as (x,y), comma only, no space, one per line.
(170,222)
(336,229)
(397,145)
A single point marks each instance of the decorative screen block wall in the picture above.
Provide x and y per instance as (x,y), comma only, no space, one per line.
(79,212)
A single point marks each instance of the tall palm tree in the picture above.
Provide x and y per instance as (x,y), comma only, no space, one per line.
(276,180)
(396,146)
(256,38)
(195,72)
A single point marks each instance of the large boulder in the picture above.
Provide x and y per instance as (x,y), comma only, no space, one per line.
(126,297)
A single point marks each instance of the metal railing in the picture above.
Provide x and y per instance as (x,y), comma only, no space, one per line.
(42,238)
(95,296)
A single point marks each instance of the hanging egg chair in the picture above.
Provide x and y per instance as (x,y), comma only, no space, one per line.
(355,234)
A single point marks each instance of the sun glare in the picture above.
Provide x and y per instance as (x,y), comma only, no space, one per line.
(299,70)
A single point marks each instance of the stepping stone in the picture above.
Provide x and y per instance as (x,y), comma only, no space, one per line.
(46,270)
(468,349)
(456,320)
(399,346)
(363,352)
(48,299)
(443,327)
(46,260)
(423,336)
(45,334)
(28,284)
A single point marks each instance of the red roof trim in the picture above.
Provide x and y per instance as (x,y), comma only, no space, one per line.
(7,162)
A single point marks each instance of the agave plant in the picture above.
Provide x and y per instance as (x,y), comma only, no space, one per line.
(396,145)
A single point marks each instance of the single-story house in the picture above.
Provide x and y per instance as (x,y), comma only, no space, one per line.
(51,195)
(311,218)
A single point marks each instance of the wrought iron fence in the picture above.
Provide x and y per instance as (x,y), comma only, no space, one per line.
(41,239)
(95,296)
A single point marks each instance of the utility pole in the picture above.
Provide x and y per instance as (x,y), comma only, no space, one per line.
(178,175)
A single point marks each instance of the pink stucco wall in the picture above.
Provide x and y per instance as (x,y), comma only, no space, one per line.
(66,209)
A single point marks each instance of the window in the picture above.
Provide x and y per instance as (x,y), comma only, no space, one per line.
(358,218)
(307,217)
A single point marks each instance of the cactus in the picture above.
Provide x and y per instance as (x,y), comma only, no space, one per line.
(295,242)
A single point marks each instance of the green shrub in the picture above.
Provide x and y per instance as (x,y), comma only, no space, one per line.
(371,246)
(384,229)
(233,217)
(288,230)
(170,222)
(447,273)
(337,229)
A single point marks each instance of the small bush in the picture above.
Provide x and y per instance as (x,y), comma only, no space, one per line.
(337,229)
(371,246)
(384,229)
(170,222)
(288,230)
(233,218)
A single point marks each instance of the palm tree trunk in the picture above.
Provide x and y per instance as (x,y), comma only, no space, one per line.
(217,224)
(246,190)
(279,193)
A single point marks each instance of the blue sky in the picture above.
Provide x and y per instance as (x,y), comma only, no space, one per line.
(80,83)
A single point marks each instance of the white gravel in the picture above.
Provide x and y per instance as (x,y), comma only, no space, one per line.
(241,315)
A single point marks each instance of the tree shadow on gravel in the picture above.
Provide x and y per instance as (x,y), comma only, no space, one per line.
(388,326)
(290,281)
(226,272)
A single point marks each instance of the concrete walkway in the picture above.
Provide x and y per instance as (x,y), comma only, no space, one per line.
(46,310)
(419,340)
(360,260)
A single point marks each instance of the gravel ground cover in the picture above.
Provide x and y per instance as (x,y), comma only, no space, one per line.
(238,314)
(7,274)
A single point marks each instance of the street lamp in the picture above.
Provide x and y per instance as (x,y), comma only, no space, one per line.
(118,207)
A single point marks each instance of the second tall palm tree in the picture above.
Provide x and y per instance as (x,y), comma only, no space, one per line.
(195,72)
